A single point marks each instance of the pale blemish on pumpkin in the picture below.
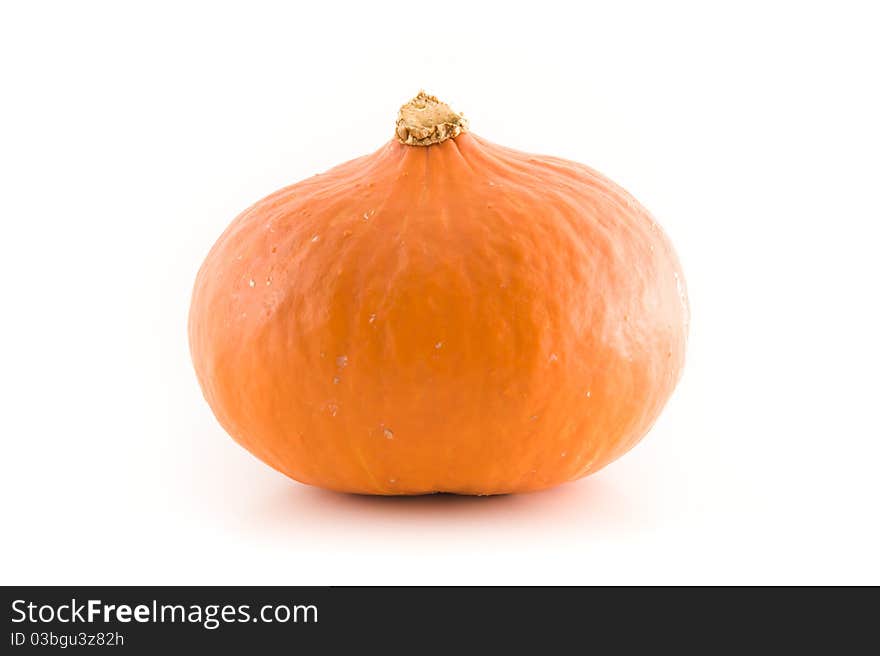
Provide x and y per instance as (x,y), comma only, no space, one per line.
(682,297)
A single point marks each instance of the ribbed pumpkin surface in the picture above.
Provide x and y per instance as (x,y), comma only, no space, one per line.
(459,317)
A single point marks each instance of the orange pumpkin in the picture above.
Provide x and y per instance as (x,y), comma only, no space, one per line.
(443,315)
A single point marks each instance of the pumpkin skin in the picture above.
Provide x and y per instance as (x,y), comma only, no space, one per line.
(458,317)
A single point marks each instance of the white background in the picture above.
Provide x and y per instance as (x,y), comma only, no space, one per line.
(132,133)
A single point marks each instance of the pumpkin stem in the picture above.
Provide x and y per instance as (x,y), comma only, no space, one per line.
(425,120)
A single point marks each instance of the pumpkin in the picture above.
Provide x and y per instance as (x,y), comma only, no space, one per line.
(443,315)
